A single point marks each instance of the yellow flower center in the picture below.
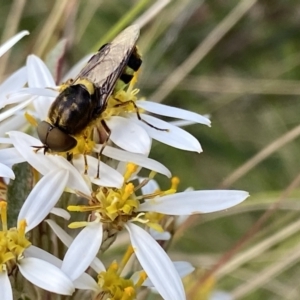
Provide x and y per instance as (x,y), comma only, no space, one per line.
(12,241)
(115,286)
(115,207)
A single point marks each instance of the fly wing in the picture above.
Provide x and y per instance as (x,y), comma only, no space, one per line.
(105,67)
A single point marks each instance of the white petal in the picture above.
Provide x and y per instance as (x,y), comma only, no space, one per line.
(5,287)
(16,97)
(150,187)
(36,91)
(46,276)
(173,112)
(39,253)
(25,144)
(6,172)
(39,76)
(135,158)
(38,73)
(61,213)
(175,136)
(97,265)
(156,264)
(12,83)
(13,123)
(179,220)
(128,135)
(76,180)
(160,236)
(182,267)
(44,163)
(108,176)
(182,123)
(194,202)
(83,250)
(42,105)
(65,238)
(10,156)
(43,197)
(122,168)
(11,111)
(12,41)
(4,140)
(86,282)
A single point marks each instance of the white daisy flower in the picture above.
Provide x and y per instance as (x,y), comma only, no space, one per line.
(82,281)
(24,144)
(112,278)
(16,81)
(14,250)
(112,283)
(183,268)
(24,151)
(114,209)
(9,157)
(127,131)
(39,76)
(12,41)
(13,83)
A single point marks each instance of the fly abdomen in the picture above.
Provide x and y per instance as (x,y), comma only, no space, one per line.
(133,65)
(134,61)
(73,109)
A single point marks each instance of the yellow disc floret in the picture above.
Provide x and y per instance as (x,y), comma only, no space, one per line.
(115,286)
(12,242)
(115,207)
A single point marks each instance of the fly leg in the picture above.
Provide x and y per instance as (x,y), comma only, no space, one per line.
(86,166)
(108,133)
(138,114)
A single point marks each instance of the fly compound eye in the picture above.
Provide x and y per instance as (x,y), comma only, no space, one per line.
(54,138)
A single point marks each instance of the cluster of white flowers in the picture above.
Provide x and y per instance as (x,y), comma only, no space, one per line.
(112,200)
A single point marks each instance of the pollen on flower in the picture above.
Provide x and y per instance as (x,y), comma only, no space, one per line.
(134,80)
(31,119)
(126,258)
(65,85)
(130,169)
(175,182)
(12,242)
(3,211)
(122,100)
(174,186)
(142,277)
(85,144)
(130,291)
(114,207)
(154,220)
(141,218)
(21,227)
(128,191)
(74,225)
(115,286)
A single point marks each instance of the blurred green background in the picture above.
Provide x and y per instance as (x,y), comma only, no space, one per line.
(237,61)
